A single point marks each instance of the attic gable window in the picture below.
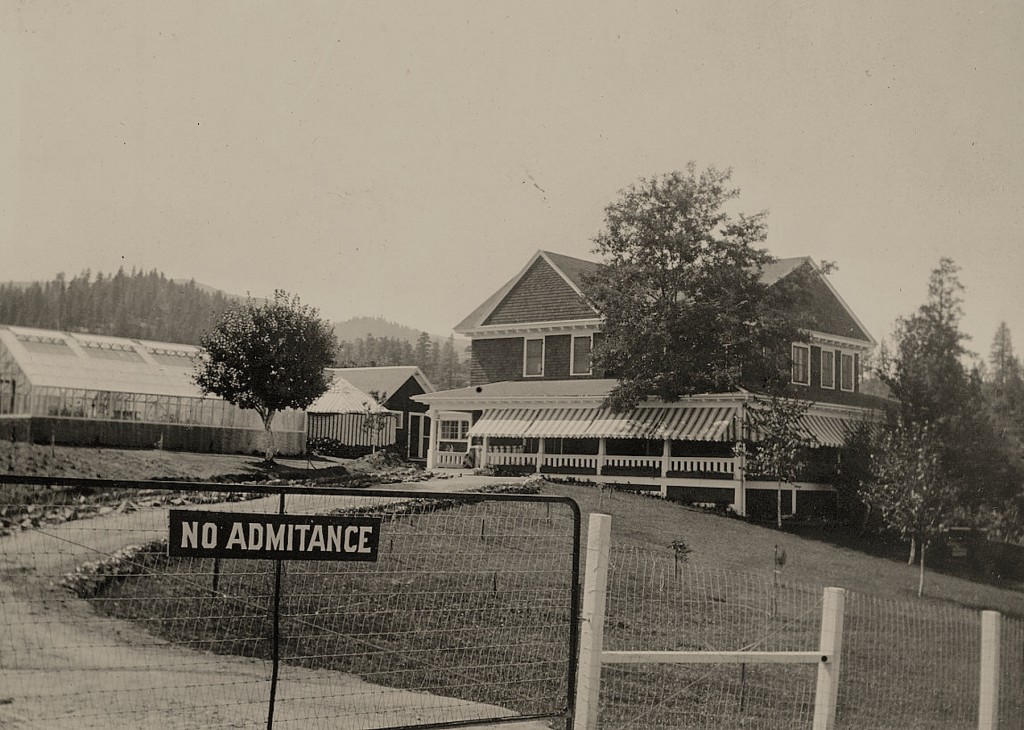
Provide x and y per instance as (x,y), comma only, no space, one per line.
(801,373)
(533,358)
(581,352)
(846,374)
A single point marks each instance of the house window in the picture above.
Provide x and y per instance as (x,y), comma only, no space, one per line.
(454,430)
(801,364)
(581,349)
(533,357)
(846,374)
(828,369)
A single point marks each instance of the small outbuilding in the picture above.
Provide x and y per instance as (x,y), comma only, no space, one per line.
(349,422)
(395,386)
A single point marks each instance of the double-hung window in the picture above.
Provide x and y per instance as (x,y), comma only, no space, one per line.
(847,376)
(801,374)
(581,351)
(828,369)
(533,357)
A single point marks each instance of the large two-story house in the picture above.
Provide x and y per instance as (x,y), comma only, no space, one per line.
(536,403)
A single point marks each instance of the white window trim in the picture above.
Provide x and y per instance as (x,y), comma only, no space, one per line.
(572,355)
(543,347)
(792,367)
(821,375)
(853,372)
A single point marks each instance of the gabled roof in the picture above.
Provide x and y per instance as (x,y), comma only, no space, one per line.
(343,397)
(555,277)
(781,268)
(560,298)
(833,315)
(386,379)
(49,358)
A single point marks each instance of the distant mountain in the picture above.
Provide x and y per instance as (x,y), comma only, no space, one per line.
(215,291)
(356,327)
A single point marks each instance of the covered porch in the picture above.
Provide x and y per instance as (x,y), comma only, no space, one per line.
(693,450)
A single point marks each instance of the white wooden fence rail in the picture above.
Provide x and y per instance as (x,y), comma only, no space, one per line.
(827,658)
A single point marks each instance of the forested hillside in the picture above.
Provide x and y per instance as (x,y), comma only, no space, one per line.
(145,305)
(148,305)
(445,363)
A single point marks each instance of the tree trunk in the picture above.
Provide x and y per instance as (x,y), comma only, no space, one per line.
(913,551)
(920,579)
(268,436)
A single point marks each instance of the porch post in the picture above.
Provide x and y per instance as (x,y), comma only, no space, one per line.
(483,453)
(602,451)
(739,473)
(666,456)
(540,453)
(432,446)
(792,505)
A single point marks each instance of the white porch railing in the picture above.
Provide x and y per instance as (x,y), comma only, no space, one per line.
(504,459)
(714,464)
(683,464)
(570,461)
(450,459)
(633,462)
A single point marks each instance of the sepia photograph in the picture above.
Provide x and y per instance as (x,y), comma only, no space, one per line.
(529,365)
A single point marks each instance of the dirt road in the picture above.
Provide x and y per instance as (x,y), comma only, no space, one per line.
(63,666)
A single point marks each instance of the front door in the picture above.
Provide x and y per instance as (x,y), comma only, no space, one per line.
(419,436)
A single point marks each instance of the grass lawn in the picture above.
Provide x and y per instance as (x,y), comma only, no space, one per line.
(472,603)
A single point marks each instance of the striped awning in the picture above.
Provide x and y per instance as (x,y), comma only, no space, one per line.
(830,430)
(698,424)
(561,423)
(680,423)
(639,423)
(504,422)
(821,430)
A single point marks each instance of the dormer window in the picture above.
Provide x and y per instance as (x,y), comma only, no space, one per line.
(847,377)
(581,355)
(533,358)
(801,372)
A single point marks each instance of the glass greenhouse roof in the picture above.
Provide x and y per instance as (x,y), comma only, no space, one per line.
(94,362)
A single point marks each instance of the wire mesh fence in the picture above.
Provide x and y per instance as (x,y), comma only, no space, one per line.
(467,615)
(662,604)
(1011,685)
(904,664)
(909,664)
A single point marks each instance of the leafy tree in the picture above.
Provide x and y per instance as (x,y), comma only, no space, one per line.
(1004,394)
(267,357)
(422,351)
(781,440)
(375,422)
(684,306)
(933,389)
(925,373)
(910,488)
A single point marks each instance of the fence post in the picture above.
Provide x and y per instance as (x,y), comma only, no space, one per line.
(827,693)
(595,584)
(988,705)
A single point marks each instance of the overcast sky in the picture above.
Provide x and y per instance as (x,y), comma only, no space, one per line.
(405,159)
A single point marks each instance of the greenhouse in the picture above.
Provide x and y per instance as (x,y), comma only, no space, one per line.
(79,389)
